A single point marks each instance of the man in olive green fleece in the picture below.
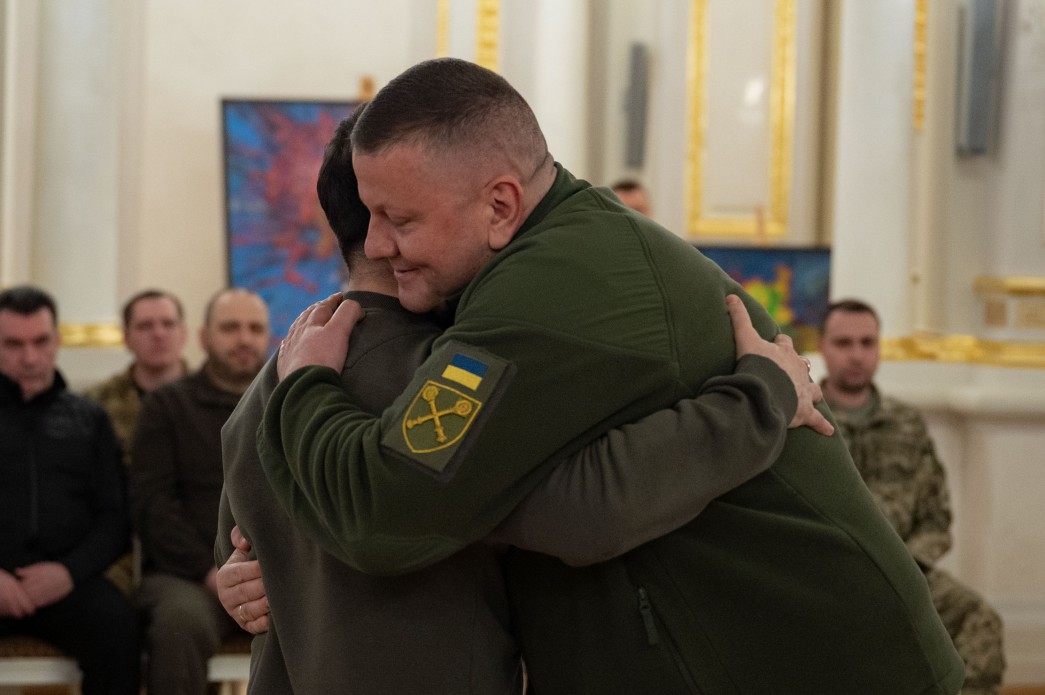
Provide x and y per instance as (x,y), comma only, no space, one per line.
(372,643)
(573,315)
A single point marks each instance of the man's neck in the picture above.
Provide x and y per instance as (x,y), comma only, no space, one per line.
(223,383)
(147,379)
(381,282)
(848,400)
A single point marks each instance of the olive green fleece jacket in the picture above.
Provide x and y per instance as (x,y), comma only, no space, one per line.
(594,316)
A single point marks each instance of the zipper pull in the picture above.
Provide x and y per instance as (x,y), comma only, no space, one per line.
(646,611)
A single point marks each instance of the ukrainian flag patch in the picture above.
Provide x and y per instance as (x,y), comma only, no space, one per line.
(446,397)
(466,371)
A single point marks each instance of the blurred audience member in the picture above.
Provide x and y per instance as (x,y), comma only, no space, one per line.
(896,458)
(154,332)
(633,194)
(63,507)
(175,484)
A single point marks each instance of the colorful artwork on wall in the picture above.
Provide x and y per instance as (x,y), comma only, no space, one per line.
(279,243)
(793,284)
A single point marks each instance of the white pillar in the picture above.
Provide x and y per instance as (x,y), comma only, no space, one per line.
(871,250)
(17,138)
(560,72)
(75,209)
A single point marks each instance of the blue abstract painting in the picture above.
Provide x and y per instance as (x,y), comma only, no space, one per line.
(793,284)
(279,243)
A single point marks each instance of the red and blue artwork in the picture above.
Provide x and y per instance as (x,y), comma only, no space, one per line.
(279,242)
(793,284)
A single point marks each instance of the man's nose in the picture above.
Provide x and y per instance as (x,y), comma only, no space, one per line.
(378,242)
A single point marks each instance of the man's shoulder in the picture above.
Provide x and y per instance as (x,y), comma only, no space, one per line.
(174,391)
(387,321)
(898,410)
(116,387)
(74,407)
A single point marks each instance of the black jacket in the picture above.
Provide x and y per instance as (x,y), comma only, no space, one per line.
(62,493)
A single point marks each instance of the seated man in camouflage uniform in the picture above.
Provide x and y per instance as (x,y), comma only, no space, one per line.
(154,332)
(895,456)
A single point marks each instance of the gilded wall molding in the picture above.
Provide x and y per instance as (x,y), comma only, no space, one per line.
(772,222)
(487,33)
(1013,285)
(921,46)
(442,28)
(90,335)
(969,349)
(965,349)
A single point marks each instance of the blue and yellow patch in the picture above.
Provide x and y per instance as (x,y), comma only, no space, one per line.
(450,390)
(465,371)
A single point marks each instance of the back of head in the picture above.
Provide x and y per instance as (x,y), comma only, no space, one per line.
(338,191)
(848,305)
(633,194)
(150,293)
(454,107)
(27,300)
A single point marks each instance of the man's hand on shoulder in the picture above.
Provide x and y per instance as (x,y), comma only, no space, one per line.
(782,352)
(319,336)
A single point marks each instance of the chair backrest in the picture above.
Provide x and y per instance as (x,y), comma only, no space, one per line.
(30,661)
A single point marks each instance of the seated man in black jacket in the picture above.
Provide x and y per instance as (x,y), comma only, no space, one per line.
(63,508)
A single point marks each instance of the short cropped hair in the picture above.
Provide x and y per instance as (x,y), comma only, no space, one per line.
(627,185)
(151,293)
(27,300)
(338,190)
(850,306)
(450,105)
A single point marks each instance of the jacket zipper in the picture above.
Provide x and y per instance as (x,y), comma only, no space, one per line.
(646,611)
(34,493)
(653,637)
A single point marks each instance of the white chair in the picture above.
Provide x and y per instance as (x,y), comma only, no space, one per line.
(27,661)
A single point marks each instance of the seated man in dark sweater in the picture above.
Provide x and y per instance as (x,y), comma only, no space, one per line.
(175,484)
(63,508)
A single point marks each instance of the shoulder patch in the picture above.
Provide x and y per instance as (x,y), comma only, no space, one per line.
(457,382)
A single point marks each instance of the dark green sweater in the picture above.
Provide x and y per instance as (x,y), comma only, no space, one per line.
(592,317)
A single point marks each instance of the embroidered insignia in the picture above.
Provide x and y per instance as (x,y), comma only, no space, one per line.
(438,416)
(437,419)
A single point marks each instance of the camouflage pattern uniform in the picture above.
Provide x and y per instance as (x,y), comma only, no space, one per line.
(895,456)
(122,400)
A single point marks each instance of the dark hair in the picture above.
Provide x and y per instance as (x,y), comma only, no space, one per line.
(851,306)
(26,300)
(151,293)
(338,190)
(627,185)
(448,104)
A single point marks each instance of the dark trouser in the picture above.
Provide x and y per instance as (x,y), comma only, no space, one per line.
(185,626)
(96,625)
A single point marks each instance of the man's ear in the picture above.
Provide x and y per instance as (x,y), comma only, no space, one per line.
(505,206)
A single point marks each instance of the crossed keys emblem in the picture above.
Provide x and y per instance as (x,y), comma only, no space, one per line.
(462,408)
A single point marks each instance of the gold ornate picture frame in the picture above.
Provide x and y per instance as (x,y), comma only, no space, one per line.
(739,158)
